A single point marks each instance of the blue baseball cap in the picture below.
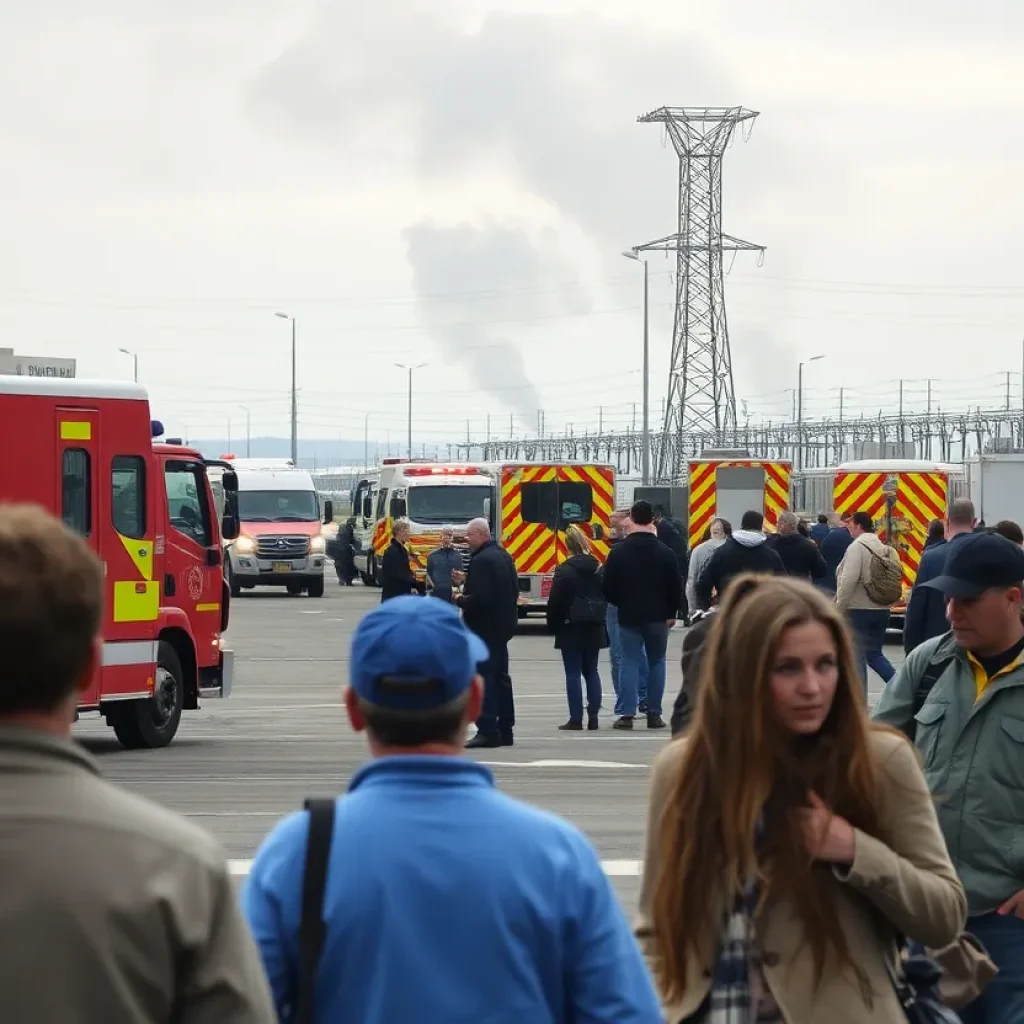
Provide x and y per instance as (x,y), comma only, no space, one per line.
(413,653)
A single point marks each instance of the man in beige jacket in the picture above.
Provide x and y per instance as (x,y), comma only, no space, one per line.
(111,908)
(868,620)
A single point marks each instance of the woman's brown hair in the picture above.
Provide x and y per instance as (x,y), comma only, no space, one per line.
(740,767)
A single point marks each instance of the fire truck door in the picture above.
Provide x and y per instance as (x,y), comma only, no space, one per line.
(738,489)
(197,586)
(78,491)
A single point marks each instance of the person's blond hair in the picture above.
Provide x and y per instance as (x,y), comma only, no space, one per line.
(577,541)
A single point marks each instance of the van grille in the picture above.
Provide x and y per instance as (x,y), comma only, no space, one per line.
(282,547)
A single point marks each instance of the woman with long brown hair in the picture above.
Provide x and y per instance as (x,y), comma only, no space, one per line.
(791,843)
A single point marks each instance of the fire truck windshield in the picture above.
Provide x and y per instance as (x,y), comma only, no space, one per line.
(278,507)
(441,504)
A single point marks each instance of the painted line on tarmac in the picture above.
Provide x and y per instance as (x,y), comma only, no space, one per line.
(612,868)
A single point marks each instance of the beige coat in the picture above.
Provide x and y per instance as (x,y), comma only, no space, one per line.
(854,571)
(113,909)
(908,877)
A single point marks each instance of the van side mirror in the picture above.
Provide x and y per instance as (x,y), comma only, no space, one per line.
(229,526)
(229,481)
(328,511)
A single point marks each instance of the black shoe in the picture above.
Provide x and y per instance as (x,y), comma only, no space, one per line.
(592,722)
(483,740)
(507,740)
(655,722)
(642,709)
(625,722)
(571,726)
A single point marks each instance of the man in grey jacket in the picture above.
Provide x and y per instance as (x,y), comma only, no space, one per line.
(442,563)
(961,698)
(111,909)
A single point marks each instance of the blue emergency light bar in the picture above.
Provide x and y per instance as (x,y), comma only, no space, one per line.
(156,428)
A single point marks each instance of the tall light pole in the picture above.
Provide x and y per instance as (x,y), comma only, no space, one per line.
(248,431)
(295,404)
(135,362)
(404,366)
(366,441)
(800,424)
(645,463)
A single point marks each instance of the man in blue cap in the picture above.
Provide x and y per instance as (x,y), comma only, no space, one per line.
(960,697)
(444,900)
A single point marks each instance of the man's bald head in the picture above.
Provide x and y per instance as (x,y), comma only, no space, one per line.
(478,533)
(961,515)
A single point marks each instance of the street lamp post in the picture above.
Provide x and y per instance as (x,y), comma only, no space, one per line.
(295,404)
(135,363)
(800,425)
(248,431)
(366,441)
(404,366)
(645,464)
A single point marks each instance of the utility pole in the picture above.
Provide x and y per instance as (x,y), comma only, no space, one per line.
(404,366)
(366,441)
(930,396)
(488,428)
(645,471)
(295,400)
(800,421)
(248,432)
(600,419)
(841,390)
(1007,390)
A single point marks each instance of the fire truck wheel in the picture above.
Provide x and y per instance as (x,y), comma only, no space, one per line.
(233,584)
(152,723)
(316,588)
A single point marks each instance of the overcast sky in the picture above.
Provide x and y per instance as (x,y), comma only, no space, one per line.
(452,184)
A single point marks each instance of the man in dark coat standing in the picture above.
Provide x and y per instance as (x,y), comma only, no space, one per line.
(800,555)
(833,548)
(396,575)
(490,608)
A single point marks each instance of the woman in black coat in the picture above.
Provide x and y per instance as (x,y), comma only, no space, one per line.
(576,615)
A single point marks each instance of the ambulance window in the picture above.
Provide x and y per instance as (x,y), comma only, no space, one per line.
(575,503)
(187,504)
(128,495)
(76,491)
(540,503)
(382,503)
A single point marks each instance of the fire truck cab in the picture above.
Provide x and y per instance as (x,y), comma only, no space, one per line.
(85,452)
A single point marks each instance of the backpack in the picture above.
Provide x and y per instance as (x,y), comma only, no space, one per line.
(589,604)
(884,584)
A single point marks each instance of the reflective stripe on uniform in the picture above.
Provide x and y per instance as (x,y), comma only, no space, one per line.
(129,652)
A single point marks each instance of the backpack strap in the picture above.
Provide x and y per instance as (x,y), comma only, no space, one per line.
(312,927)
(941,659)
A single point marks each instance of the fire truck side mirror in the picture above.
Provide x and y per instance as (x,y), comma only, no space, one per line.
(328,511)
(229,526)
(229,480)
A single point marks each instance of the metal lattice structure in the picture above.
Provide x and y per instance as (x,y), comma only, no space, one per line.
(700,397)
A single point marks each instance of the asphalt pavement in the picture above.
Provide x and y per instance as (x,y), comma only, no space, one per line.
(238,765)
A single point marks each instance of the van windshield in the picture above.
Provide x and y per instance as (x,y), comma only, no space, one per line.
(278,507)
(440,504)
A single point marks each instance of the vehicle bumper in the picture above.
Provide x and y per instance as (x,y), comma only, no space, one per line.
(221,687)
(250,571)
(533,593)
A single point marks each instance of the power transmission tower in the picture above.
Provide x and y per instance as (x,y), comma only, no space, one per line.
(700,395)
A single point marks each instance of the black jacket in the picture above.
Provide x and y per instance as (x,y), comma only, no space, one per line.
(578,576)
(641,578)
(800,556)
(693,652)
(396,575)
(490,596)
(742,552)
(833,547)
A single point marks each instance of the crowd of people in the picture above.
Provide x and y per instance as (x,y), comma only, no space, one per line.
(806,860)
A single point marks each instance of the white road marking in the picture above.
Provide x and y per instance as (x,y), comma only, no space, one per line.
(612,868)
(314,611)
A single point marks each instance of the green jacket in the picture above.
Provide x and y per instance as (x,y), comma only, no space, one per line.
(973,757)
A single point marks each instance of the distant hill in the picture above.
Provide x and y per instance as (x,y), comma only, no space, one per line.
(313,453)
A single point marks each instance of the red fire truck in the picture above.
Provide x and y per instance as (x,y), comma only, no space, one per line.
(84,450)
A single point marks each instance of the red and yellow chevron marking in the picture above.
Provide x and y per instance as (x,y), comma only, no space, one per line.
(859,492)
(534,547)
(920,498)
(381,536)
(703,499)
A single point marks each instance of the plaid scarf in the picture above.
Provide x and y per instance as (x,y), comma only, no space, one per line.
(730,1001)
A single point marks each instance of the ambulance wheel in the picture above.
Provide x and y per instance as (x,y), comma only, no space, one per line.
(152,723)
(316,587)
(294,589)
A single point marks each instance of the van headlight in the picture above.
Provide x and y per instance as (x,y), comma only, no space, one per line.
(317,546)
(245,545)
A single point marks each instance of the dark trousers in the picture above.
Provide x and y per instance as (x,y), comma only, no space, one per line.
(869,626)
(498,714)
(581,665)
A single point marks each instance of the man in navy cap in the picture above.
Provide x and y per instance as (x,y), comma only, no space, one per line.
(444,901)
(961,699)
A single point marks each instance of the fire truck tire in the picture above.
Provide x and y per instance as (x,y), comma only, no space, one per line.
(316,588)
(233,584)
(150,724)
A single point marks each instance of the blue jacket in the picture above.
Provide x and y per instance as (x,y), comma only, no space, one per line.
(926,610)
(833,547)
(819,531)
(448,902)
